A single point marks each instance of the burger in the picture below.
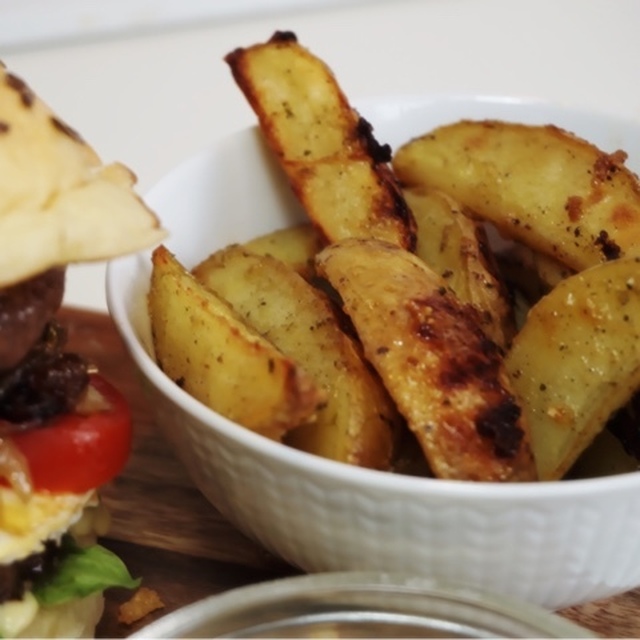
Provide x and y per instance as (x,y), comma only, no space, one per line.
(64,429)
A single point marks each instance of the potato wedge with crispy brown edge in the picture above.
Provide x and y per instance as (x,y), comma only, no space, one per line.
(541,185)
(445,375)
(296,246)
(202,345)
(337,169)
(457,247)
(357,424)
(576,360)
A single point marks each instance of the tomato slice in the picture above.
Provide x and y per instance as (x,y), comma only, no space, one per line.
(78,452)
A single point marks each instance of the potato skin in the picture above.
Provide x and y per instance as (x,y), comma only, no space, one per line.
(576,360)
(204,347)
(336,167)
(443,372)
(541,185)
(457,247)
(358,422)
(295,246)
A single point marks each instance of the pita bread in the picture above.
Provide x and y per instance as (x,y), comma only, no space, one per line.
(59,203)
(75,618)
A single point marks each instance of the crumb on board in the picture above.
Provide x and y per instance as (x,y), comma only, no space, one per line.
(141,604)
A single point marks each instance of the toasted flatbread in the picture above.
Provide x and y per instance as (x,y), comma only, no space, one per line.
(59,203)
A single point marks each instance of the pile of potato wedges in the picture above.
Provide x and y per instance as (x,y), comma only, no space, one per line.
(387,331)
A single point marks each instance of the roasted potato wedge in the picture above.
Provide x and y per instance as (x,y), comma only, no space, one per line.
(295,246)
(457,247)
(337,169)
(541,185)
(203,346)
(444,374)
(357,423)
(576,360)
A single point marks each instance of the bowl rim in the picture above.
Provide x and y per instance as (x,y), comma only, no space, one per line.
(338,472)
(274,592)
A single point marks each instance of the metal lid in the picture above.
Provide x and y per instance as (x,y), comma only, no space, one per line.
(356,605)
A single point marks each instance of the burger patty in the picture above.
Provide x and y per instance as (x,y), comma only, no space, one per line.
(15,578)
(25,309)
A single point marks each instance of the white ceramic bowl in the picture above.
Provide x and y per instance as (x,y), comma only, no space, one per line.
(553,544)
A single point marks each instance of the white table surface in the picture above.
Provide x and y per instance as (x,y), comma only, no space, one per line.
(150,100)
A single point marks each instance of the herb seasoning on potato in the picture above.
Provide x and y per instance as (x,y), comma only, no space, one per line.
(499,357)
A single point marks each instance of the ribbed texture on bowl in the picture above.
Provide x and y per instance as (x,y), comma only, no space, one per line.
(554,553)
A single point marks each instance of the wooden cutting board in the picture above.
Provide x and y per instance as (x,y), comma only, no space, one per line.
(178,544)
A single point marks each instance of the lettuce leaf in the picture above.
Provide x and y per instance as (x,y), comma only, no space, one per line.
(81,572)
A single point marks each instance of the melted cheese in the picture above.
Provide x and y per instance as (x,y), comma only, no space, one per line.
(25,523)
